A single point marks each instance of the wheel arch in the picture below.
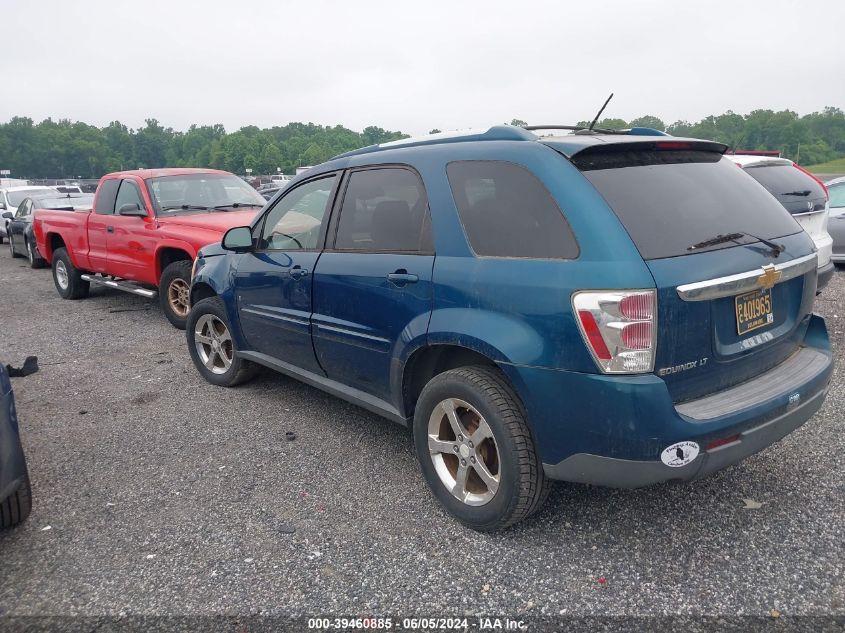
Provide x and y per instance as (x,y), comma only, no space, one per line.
(427,362)
(169,253)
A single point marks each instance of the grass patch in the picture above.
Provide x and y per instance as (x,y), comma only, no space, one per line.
(831,167)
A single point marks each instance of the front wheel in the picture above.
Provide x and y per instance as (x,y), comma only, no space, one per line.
(476,451)
(211,345)
(12,248)
(17,506)
(174,293)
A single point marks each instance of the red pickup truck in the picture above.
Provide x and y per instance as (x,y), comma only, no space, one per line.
(144,232)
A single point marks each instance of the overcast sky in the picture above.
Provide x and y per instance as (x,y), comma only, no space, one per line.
(414,66)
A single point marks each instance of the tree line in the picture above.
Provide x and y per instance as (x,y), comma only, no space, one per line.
(63,148)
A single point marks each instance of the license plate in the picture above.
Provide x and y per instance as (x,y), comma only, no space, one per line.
(754,310)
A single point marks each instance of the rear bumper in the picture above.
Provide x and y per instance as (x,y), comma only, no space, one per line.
(623,473)
(612,430)
(824,275)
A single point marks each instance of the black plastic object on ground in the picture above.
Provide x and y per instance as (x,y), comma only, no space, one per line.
(30,366)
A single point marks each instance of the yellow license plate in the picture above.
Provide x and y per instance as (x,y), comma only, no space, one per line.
(753,310)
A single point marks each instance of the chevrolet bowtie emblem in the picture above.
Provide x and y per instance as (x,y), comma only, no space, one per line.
(769,277)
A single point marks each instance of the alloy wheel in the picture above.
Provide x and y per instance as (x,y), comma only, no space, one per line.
(464,452)
(178,297)
(214,344)
(29,253)
(61,274)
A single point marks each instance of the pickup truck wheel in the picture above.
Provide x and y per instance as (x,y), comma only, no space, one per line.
(68,279)
(174,293)
(211,345)
(16,507)
(35,260)
(476,450)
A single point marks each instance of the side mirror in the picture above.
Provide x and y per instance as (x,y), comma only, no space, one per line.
(8,215)
(132,209)
(238,239)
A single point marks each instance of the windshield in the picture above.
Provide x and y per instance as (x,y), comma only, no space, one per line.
(669,200)
(199,192)
(795,190)
(16,197)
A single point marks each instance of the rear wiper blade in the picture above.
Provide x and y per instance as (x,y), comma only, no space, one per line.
(185,207)
(237,205)
(733,237)
(806,192)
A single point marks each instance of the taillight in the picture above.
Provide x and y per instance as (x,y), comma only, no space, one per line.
(821,184)
(619,328)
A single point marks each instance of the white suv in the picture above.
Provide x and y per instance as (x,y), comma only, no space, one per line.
(800,193)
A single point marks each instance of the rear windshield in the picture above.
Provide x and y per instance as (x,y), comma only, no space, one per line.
(795,190)
(670,200)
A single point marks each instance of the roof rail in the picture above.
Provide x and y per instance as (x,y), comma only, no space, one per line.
(495,133)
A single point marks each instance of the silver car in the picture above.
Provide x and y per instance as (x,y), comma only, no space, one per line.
(836,221)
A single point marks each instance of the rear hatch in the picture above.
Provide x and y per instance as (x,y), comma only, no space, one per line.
(701,225)
(799,193)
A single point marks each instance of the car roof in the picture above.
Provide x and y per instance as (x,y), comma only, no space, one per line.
(836,181)
(746,160)
(145,174)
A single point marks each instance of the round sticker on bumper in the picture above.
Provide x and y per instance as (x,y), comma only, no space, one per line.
(679,454)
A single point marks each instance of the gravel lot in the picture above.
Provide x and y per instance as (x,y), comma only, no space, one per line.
(166,495)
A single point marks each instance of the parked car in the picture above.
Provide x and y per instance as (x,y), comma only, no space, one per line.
(616,309)
(20,234)
(15,492)
(800,193)
(68,188)
(836,223)
(143,233)
(10,199)
(269,192)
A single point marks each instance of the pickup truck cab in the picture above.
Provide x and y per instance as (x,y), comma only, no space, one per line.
(144,232)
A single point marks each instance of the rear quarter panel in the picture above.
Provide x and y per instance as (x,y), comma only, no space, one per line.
(71,226)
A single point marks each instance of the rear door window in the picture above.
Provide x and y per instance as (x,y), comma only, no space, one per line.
(795,190)
(669,200)
(507,212)
(384,210)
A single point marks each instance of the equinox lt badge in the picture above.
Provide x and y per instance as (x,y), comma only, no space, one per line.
(665,371)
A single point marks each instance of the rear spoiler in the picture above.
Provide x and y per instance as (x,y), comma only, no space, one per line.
(642,153)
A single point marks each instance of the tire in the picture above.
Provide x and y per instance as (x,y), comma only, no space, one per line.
(68,279)
(12,249)
(15,508)
(218,364)
(34,258)
(174,293)
(479,395)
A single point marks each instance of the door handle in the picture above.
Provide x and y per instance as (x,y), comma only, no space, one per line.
(297,272)
(402,277)
(109,229)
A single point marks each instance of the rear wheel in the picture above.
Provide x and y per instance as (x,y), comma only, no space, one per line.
(68,279)
(34,258)
(16,507)
(174,293)
(211,345)
(476,450)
